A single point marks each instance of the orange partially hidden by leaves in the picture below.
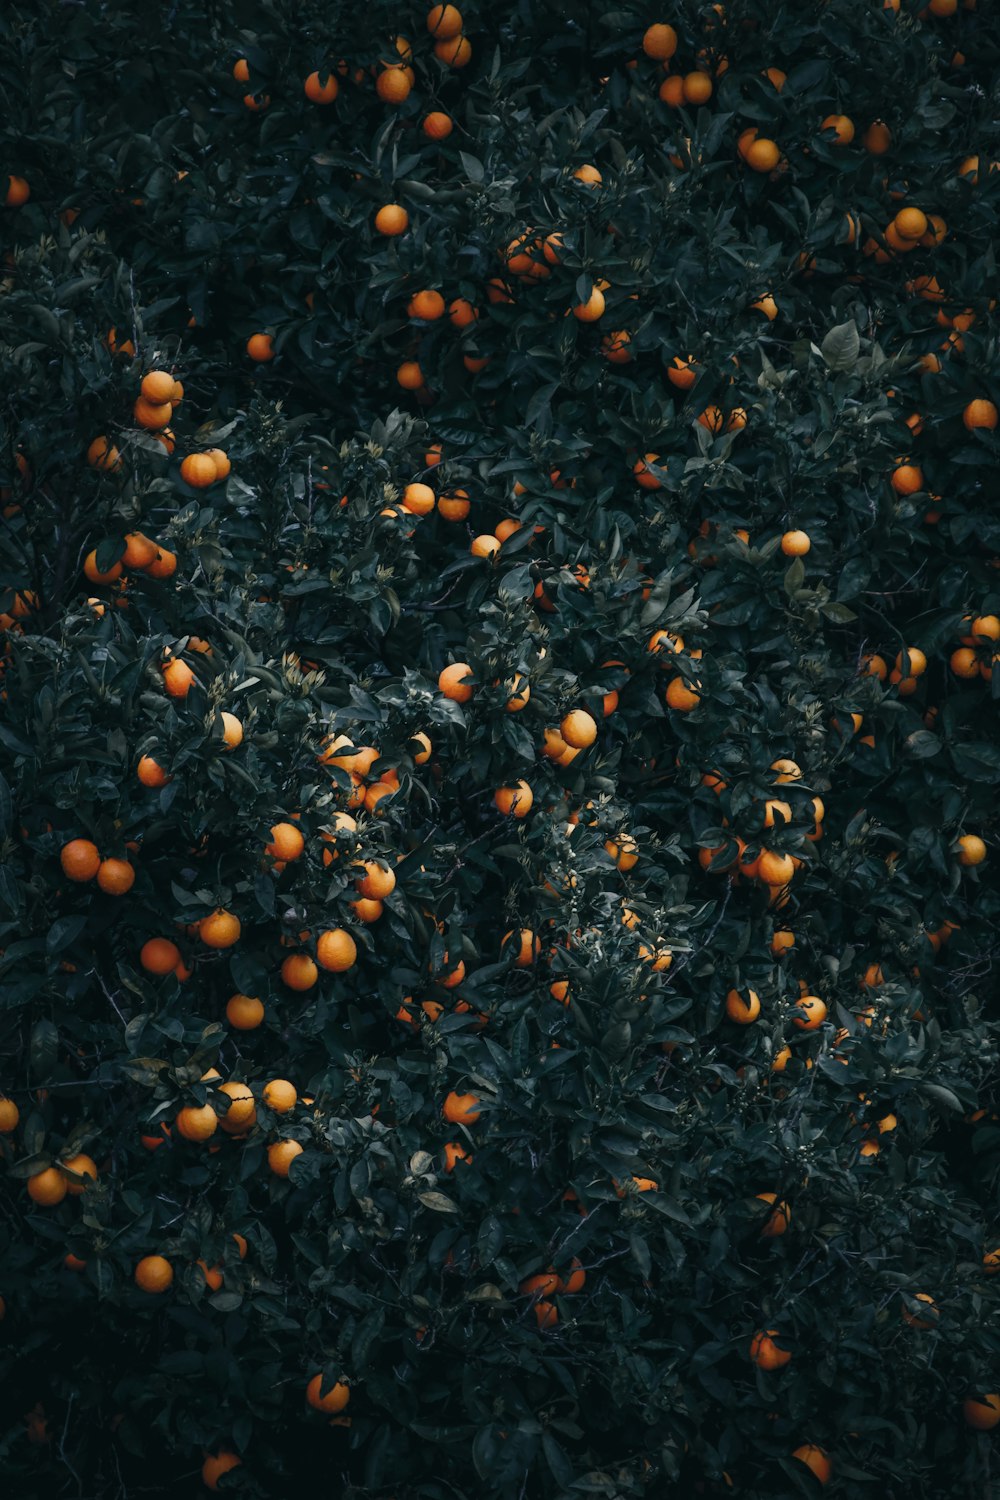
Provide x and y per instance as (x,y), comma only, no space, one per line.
(321,90)
(281,1154)
(778,1219)
(765,1353)
(217,1464)
(461,1109)
(815,1459)
(323,1397)
(982,1412)
(260,347)
(452,684)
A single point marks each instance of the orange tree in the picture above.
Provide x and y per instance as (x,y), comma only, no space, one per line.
(500,610)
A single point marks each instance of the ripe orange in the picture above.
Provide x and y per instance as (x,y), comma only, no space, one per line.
(336,950)
(242,1111)
(980,414)
(299,971)
(461,1109)
(241,70)
(437,125)
(220,930)
(18,192)
(232,730)
(743,1009)
(588,175)
(765,1353)
(795,543)
(159,956)
(157,387)
(409,375)
(217,1464)
(281,1154)
(697,87)
(660,42)
(982,1413)
(393,84)
(392,219)
(177,677)
(681,697)
(286,843)
(453,1153)
(220,458)
(336,1397)
(762,155)
(244,1012)
(48,1187)
(810,1013)
(419,499)
(455,52)
(280,1095)
(452,685)
(778,1219)
(199,471)
(9,1116)
(815,1459)
(197,1122)
(578,729)
(444,22)
(116,876)
(525,947)
(842,127)
(775,869)
(260,347)
(592,309)
(428,305)
(140,551)
(377,882)
(80,860)
(514,800)
(971,849)
(154,1273)
(102,454)
(319,92)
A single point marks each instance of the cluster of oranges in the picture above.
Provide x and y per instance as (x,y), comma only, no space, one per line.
(395,76)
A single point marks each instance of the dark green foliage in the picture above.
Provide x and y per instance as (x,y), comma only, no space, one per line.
(633,1128)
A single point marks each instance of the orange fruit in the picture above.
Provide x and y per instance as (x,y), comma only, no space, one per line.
(428,305)
(765,1353)
(980,414)
(455,52)
(223,467)
(971,849)
(392,219)
(241,70)
(116,876)
(47,1188)
(333,1398)
(220,930)
(232,730)
(815,1459)
(578,729)
(281,1154)
(514,800)
(157,387)
(197,1122)
(697,88)
(409,375)
(778,1219)
(525,947)
(319,92)
(681,697)
(280,1095)
(762,155)
(336,950)
(242,1110)
(393,84)
(80,860)
(810,1013)
(982,1413)
(159,956)
(913,1320)
(588,175)
(452,685)
(9,1116)
(660,42)
(842,127)
(377,882)
(18,192)
(299,971)
(102,454)
(244,1012)
(140,552)
(154,1273)
(795,543)
(260,348)
(461,1109)
(212,1275)
(217,1464)
(177,677)
(743,1009)
(286,843)
(199,471)
(437,125)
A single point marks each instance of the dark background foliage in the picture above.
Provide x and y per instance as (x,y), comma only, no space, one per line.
(165,209)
